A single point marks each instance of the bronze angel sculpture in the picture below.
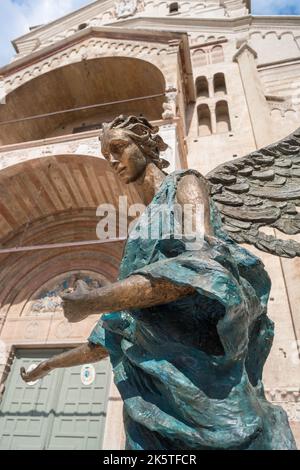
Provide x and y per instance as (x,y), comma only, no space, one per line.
(186,328)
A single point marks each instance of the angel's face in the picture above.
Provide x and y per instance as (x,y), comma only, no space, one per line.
(124,156)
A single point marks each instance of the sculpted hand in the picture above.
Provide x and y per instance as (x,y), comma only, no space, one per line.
(74,302)
(38,373)
(81,289)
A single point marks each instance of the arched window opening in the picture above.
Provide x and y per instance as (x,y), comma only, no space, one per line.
(200,57)
(290,114)
(217,54)
(82,26)
(204,120)
(276,114)
(174,7)
(202,87)
(220,84)
(222,117)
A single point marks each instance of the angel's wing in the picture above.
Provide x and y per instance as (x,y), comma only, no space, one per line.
(259,190)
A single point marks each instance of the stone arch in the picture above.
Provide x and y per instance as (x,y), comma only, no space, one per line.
(286,35)
(271,34)
(255,35)
(53,200)
(30,273)
(185,6)
(59,87)
(56,186)
(200,38)
(200,56)
(89,49)
(290,114)
(200,6)
(44,298)
(153,50)
(217,54)
(276,113)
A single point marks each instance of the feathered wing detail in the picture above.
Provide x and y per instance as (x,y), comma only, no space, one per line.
(261,189)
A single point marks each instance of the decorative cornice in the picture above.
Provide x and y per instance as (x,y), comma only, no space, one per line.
(290,394)
(142,44)
(96,7)
(280,22)
(64,29)
(105,4)
(87,13)
(279,63)
(184,22)
(208,43)
(266,21)
(103,32)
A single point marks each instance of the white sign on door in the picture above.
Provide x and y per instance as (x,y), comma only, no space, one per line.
(88,374)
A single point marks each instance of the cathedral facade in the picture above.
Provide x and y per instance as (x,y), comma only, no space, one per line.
(220,83)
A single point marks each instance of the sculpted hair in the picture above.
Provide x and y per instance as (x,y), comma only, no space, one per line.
(142,133)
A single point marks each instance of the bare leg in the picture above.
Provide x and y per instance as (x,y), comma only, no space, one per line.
(82,355)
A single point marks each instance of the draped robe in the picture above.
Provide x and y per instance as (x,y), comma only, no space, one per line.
(190,371)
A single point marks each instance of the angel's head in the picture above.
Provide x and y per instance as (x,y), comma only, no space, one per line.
(129,144)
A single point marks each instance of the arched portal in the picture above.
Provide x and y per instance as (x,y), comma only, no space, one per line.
(82,84)
(46,201)
(35,190)
(54,200)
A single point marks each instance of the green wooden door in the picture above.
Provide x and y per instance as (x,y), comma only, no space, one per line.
(59,412)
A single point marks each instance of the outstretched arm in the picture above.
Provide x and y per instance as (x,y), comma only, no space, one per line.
(134,292)
(138,291)
(75,357)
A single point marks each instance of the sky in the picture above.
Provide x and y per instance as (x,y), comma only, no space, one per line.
(17,15)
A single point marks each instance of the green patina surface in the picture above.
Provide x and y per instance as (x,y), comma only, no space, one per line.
(190,371)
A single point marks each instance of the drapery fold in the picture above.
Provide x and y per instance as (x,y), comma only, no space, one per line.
(189,371)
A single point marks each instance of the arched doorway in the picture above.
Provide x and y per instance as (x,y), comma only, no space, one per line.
(81,85)
(47,201)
